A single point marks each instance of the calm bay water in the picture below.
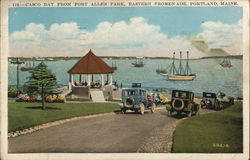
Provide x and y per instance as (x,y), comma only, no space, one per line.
(210,75)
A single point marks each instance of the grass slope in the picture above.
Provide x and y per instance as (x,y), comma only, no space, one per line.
(219,132)
(25,115)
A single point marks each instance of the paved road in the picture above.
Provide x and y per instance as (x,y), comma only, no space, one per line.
(114,133)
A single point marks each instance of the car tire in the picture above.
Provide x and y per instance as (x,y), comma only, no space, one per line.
(142,108)
(181,106)
(197,113)
(123,110)
(153,106)
(208,102)
(217,106)
(129,102)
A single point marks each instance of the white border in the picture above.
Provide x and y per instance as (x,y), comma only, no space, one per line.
(123,156)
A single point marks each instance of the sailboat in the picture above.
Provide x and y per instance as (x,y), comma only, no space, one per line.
(181,73)
(226,63)
(28,66)
(114,66)
(138,62)
(161,71)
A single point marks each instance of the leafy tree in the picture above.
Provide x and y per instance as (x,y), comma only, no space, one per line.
(40,81)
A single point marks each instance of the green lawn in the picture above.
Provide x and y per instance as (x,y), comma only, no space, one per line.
(219,132)
(24,115)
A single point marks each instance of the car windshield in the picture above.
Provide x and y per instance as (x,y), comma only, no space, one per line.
(209,95)
(129,92)
(181,94)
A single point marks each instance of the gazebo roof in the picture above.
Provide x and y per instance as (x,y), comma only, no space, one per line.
(90,64)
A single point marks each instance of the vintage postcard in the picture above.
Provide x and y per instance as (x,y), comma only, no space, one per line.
(124,79)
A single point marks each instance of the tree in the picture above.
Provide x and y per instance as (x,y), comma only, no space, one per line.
(40,81)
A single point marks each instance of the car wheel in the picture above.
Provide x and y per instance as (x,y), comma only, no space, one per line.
(124,110)
(203,106)
(178,104)
(142,108)
(197,110)
(217,105)
(153,107)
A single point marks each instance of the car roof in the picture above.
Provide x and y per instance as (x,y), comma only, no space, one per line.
(181,91)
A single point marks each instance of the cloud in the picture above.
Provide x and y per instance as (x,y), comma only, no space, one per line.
(225,36)
(135,37)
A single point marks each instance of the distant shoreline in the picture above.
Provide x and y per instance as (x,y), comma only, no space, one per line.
(118,58)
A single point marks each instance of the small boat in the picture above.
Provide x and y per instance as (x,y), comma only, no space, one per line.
(226,63)
(17,62)
(164,74)
(28,66)
(50,59)
(40,59)
(138,62)
(182,73)
(114,67)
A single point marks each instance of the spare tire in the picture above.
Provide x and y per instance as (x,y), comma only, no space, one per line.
(208,102)
(129,102)
(178,104)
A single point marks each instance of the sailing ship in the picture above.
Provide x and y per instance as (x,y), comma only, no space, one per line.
(183,73)
(138,62)
(226,63)
(28,66)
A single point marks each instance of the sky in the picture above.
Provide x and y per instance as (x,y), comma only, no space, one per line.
(123,31)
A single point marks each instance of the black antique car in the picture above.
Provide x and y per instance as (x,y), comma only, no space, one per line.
(183,102)
(137,99)
(216,101)
(210,101)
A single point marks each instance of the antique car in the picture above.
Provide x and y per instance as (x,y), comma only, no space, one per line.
(183,102)
(210,101)
(137,99)
(225,100)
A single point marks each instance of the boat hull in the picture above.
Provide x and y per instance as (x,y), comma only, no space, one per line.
(181,77)
(226,65)
(138,65)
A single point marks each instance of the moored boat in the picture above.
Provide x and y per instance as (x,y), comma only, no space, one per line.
(138,62)
(226,63)
(181,73)
(114,66)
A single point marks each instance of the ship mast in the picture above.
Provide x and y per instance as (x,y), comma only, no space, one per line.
(188,69)
(172,68)
(180,66)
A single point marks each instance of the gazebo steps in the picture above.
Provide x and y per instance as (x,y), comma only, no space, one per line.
(97,96)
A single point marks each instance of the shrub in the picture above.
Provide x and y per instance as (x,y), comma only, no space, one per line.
(55,98)
(33,98)
(61,99)
(23,98)
(13,92)
(49,98)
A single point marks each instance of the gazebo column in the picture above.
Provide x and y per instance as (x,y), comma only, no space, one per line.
(110,79)
(72,79)
(80,78)
(102,80)
(88,76)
